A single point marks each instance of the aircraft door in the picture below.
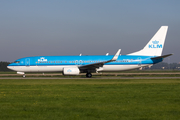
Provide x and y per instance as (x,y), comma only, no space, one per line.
(27,62)
(139,63)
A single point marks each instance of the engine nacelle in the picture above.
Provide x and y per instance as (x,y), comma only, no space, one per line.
(71,71)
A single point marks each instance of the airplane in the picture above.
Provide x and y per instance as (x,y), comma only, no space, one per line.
(74,65)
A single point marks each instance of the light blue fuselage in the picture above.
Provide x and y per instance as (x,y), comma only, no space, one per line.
(123,61)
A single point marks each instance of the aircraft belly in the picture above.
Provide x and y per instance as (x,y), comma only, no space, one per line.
(60,68)
(38,68)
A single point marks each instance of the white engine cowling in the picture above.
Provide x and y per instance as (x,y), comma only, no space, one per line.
(71,71)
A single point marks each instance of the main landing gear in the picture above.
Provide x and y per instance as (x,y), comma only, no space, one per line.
(88,75)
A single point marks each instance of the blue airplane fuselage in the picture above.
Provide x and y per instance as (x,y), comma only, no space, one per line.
(83,60)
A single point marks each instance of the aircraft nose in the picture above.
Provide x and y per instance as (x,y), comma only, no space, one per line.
(10,67)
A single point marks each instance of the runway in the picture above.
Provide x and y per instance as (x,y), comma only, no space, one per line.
(147,75)
(94,74)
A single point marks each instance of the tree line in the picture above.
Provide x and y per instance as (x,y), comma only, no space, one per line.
(3,66)
(160,66)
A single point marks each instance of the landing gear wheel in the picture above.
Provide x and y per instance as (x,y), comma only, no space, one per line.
(24,75)
(88,75)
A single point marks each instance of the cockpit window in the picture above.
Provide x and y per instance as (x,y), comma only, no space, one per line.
(17,62)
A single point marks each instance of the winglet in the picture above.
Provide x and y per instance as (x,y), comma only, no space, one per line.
(116,55)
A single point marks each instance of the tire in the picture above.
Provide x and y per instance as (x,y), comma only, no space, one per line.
(88,75)
(24,76)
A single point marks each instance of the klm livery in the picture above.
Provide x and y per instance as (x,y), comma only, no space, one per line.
(74,65)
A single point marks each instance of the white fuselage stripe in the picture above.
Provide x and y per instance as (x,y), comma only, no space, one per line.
(60,68)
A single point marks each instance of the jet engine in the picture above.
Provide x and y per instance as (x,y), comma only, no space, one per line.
(71,71)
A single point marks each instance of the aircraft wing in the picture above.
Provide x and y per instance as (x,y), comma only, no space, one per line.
(94,66)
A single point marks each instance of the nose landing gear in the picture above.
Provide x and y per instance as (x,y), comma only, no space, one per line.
(24,75)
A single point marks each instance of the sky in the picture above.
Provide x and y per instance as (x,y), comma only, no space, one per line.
(87,27)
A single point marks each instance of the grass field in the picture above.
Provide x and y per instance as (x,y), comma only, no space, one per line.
(90,99)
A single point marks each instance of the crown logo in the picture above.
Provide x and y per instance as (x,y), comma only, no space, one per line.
(155,42)
(69,70)
(42,59)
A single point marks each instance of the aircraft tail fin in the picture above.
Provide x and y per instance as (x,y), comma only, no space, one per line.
(155,46)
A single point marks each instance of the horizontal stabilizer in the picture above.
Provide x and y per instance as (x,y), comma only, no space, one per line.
(164,56)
